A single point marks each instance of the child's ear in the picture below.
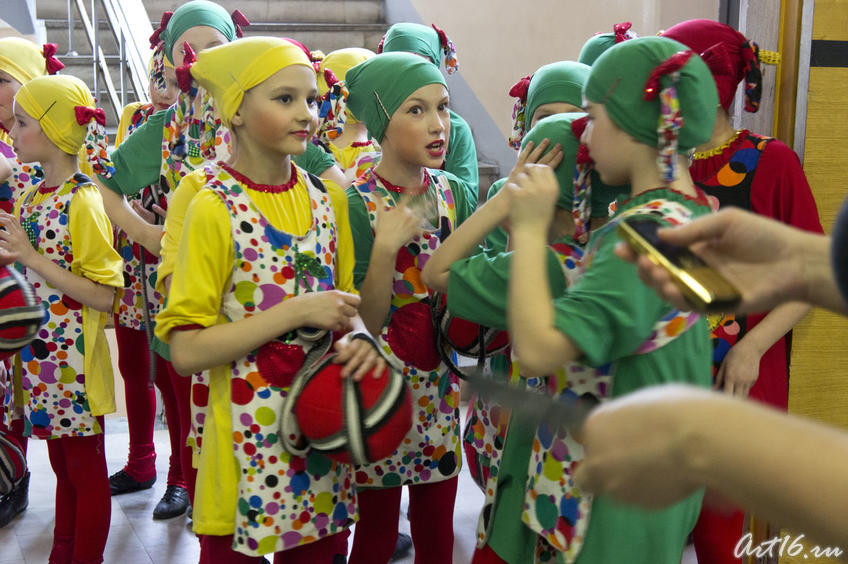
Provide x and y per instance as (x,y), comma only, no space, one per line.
(237,120)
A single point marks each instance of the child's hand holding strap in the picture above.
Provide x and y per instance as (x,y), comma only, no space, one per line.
(358,352)
(332,310)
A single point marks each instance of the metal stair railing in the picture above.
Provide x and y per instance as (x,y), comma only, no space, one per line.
(130,26)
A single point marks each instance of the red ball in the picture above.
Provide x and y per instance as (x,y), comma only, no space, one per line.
(347,421)
(21,313)
(463,336)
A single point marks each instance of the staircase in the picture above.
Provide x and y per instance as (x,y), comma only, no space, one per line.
(323,25)
(318,24)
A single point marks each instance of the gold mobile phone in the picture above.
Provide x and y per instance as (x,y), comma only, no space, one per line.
(706,289)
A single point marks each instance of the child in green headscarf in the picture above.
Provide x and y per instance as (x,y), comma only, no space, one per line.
(650,100)
(431,43)
(555,88)
(600,42)
(523,468)
(147,158)
(399,212)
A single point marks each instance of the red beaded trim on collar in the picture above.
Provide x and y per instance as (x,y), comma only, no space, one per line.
(358,144)
(44,189)
(399,189)
(6,131)
(270,188)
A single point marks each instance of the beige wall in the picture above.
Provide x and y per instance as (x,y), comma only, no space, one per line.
(499,41)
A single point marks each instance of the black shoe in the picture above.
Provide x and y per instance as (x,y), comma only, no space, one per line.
(15,501)
(172,504)
(402,547)
(120,483)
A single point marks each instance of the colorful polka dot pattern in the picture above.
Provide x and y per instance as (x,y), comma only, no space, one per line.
(173,169)
(431,451)
(55,404)
(284,500)
(23,177)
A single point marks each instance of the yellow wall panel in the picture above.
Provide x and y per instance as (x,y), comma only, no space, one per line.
(830,20)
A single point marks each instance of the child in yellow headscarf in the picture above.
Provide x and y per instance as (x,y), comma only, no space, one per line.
(355,151)
(21,60)
(239,283)
(62,238)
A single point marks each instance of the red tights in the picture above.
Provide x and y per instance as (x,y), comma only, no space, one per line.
(330,550)
(182,395)
(134,364)
(486,555)
(83,501)
(430,519)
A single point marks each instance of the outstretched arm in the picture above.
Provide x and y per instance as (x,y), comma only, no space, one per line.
(655,446)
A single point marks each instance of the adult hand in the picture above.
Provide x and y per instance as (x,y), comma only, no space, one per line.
(763,258)
(636,447)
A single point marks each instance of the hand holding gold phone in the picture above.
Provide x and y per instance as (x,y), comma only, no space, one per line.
(704,287)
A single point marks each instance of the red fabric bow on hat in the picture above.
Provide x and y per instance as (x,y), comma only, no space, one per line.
(380,45)
(52,64)
(620,30)
(156,37)
(578,126)
(239,20)
(330,78)
(84,115)
(443,37)
(669,66)
(184,78)
(520,88)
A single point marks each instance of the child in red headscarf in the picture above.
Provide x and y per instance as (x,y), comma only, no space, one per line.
(760,174)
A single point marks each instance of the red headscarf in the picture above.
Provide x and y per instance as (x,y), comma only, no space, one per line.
(729,55)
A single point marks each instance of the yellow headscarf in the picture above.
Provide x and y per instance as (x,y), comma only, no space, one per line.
(338,63)
(24,60)
(228,71)
(68,115)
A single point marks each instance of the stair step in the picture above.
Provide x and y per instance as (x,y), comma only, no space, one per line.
(324,36)
(331,11)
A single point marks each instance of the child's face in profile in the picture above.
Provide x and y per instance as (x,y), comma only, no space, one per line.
(30,142)
(552,109)
(609,146)
(8,88)
(199,38)
(162,101)
(278,115)
(418,131)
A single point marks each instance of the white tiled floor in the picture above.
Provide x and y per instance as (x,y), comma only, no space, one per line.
(135,538)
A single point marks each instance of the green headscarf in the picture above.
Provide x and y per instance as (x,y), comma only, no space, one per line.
(413,38)
(195,14)
(557,129)
(557,82)
(378,87)
(618,80)
(598,44)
